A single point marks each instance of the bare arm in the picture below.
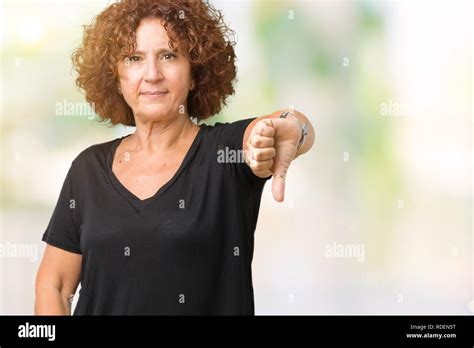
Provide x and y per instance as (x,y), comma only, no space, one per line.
(56,280)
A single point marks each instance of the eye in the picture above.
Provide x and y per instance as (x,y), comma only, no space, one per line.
(169,56)
(135,58)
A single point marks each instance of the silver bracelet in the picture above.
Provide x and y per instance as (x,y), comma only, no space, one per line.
(304,128)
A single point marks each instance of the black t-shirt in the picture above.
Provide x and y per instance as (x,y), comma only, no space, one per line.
(187,250)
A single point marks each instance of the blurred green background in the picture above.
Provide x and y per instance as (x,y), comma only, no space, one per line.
(388,89)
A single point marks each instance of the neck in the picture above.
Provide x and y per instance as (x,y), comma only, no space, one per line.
(161,135)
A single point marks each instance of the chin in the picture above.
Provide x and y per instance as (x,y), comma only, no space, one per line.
(154,113)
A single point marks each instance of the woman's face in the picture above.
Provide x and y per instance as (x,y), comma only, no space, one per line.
(154,80)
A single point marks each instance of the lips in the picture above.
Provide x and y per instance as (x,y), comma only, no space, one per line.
(151,93)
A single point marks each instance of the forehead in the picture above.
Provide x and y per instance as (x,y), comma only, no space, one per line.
(152,34)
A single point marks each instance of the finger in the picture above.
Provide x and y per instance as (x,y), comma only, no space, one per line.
(262,154)
(257,140)
(260,166)
(278,187)
(263,173)
(264,128)
(280,169)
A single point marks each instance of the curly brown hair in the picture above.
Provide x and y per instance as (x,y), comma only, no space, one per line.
(195,28)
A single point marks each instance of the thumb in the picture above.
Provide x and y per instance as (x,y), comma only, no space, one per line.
(278,187)
(285,152)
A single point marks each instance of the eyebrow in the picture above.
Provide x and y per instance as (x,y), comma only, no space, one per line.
(161,50)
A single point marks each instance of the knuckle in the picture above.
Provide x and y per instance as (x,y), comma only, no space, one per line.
(257,141)
(260,166)
(265,165)
(253,139)
(259,156)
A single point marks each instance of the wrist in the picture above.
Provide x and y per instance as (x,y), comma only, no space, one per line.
(302,125)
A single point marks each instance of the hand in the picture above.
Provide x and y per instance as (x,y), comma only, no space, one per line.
(271,147)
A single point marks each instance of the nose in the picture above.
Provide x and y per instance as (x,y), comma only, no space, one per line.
(152,72)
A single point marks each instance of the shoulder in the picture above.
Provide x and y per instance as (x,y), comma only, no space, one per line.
(227,133)
(94,153)
(220,126)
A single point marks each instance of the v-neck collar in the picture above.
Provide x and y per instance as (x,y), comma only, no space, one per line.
(140,204)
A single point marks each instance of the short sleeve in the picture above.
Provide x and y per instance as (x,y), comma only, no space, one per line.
(230,137)
(63,228)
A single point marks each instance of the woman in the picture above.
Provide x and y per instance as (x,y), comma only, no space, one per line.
(161,221)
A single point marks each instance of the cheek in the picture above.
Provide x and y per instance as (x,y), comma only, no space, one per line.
(179,78)
(128,77)
(129,80)
(130,87)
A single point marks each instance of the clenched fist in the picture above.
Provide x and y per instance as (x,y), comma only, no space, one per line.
(271,147)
